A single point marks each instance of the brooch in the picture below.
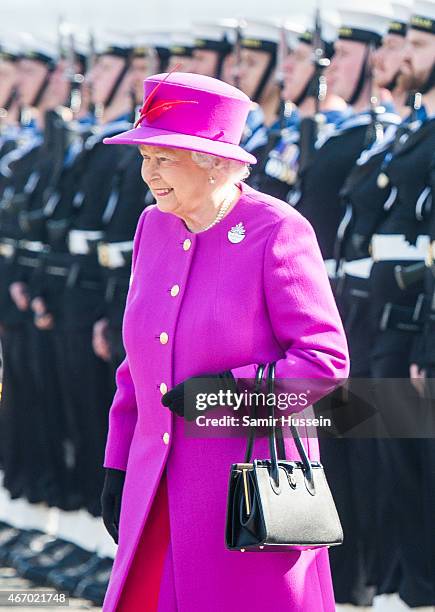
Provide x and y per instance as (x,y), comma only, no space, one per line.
(237,233)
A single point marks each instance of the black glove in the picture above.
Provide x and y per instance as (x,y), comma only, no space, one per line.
(111,500)
(181,399)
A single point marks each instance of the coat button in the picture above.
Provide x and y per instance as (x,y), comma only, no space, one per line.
(175,290)
(163,388)
(166,437)
(187,244)
(163,338)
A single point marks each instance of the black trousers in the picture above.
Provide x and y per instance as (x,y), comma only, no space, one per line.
(350,464)
(87,390)
(25,460)
(406,476)
(61,488)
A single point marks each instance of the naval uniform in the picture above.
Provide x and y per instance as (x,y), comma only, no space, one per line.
(363,195)
(48,283)
(24,456)
(316,195)
(323,170)
(128,198)
(402,240)
(424,356)
(255,134)
(354,464)
(277,171)
(276,168)
(84,376)
(61,140)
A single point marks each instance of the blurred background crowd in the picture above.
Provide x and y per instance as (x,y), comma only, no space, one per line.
(342,125)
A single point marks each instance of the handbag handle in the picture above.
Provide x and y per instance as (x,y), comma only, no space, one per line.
(258,382)
(298,442)
(272,434)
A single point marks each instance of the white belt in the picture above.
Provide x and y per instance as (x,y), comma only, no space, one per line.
(391,247)
(7,250)
(32,245)
(359,267)
(110,253)
(78,241)
(331,266)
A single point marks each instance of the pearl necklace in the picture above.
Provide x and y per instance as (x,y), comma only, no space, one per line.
(226,203)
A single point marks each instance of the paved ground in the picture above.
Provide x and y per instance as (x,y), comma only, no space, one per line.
(9,580)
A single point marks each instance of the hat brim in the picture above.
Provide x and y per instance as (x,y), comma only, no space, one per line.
(163,138)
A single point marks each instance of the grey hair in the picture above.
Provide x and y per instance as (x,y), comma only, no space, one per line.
(238,169)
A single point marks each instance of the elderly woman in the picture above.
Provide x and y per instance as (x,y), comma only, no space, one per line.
(223,278)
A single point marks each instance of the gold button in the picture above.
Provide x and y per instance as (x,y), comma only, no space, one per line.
(166,437)
(163,338)
(175,290)
(163,388)
(187,244)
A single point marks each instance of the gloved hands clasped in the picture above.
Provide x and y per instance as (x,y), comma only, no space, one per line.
(111,500)
(182,399)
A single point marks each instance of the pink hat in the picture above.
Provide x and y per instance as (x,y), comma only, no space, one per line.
(191,111)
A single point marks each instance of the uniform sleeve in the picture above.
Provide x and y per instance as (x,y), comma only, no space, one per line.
(123,412)
(303,313)
(423,348)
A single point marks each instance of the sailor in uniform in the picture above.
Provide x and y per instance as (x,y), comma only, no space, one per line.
(302,95)
(397,299)
(364,195)
(210,49)
(9,112)
(181,49)
(322,173)
(85,378)
(24,454)
(255,65)
(335,151)
(387,61)
(128,197)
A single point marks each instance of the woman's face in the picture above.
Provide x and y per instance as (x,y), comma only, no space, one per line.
(175,180)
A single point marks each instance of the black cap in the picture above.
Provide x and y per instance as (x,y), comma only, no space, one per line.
(116,50)
(308,38)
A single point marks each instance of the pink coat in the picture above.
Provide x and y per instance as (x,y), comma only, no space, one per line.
(264,298)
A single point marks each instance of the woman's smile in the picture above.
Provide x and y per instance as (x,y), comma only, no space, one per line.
(161,193)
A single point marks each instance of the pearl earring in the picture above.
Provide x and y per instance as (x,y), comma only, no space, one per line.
(211,180)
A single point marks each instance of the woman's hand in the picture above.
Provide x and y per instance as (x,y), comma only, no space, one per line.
(111,498)
(182,399)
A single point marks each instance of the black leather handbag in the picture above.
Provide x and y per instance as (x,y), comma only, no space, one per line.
(275,504)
